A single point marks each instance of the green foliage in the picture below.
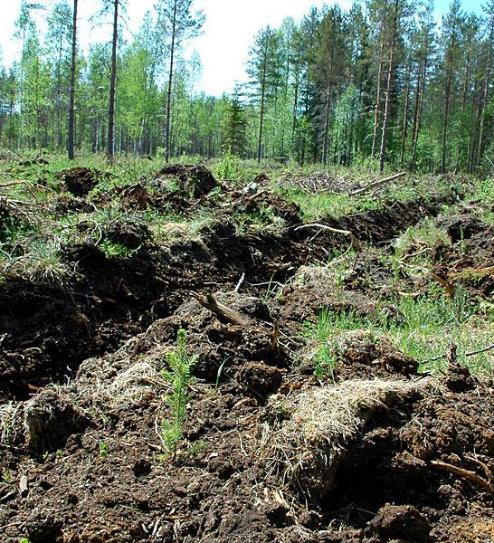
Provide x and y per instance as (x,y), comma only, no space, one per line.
(428,326)
(116,250)
(235,127)
(228,167)
(325,332)
(310,97)
(103,449)
(179,377)
(7,476)
(196,448)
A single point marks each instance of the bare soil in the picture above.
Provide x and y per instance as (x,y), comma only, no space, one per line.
(81,459)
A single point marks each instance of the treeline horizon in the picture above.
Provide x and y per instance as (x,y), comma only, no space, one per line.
(380,84)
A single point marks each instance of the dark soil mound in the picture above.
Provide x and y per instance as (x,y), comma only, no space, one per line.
(65,205)
(79,181)
(268,202)
(195,180)
(137,197)
(131,235)
(463,227)
(470,260)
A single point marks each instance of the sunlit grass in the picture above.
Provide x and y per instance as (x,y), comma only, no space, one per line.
(428,326)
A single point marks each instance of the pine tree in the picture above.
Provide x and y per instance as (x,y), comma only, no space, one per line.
(331,59)
(176,20)
(234,126)
(451,39)
(263,71)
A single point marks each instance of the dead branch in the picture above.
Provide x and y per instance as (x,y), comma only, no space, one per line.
(485,468)
(377,184)
(256,196)
(275,337)
(222,311)
(11,184)
(355,243)
(467,355)
(480,351)
(325,227)
(240,283)
(464,474)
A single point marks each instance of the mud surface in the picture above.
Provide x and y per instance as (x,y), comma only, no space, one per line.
(81,461)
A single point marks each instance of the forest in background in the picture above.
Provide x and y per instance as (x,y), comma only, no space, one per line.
(383,83)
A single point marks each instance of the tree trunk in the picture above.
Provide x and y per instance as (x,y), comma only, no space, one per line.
(295,108)
(167,141)
(326,128)
(447,105)
(387,100)
(113,86)
(485,94)
(263,102)
(419,100)
(70,142)
(377,108)
(404,126)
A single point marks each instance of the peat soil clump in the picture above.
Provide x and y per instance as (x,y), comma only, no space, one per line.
(197,181)
(80,181)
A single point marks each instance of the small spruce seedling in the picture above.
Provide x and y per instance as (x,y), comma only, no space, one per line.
(179,376)
(103,449)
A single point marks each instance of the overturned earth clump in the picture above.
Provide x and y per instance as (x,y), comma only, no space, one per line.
(79,181)
(127,233)
(318,426)
(194,180)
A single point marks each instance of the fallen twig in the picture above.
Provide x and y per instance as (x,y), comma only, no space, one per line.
(468,355)
(464,474)
(222,311)
(325,227)
(354,241)
(240,283)
(377,184)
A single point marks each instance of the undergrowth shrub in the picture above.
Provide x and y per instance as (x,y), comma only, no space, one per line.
(228,167)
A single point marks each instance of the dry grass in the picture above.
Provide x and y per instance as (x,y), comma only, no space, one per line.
(313,429)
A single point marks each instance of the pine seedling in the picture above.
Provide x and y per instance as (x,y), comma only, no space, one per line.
(179,376)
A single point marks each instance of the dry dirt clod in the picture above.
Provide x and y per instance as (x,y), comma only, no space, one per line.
(43,527)
(400,522)
(50,419)
(260,378)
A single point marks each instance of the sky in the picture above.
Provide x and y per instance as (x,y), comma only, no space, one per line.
(227,34)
